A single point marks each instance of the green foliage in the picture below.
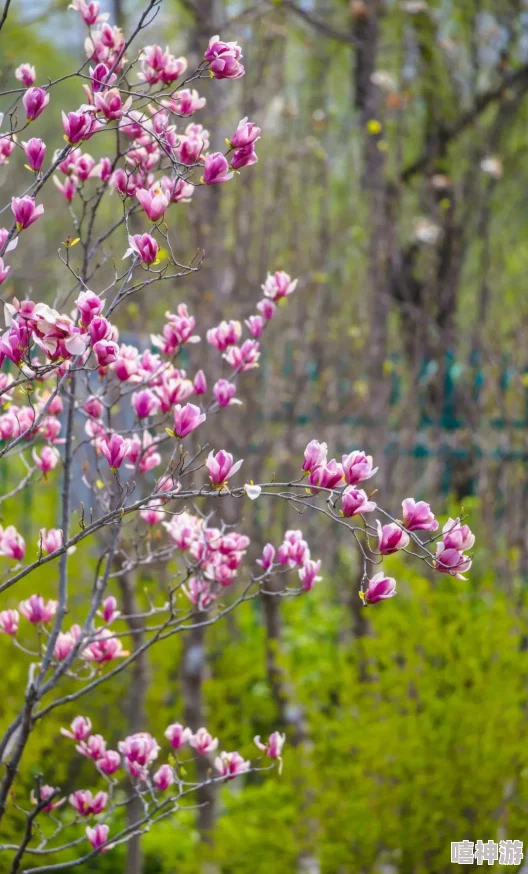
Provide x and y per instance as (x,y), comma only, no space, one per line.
(416,735)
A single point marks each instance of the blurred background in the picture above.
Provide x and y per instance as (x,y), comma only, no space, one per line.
(393,181)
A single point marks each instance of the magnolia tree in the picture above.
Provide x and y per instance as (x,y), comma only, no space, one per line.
(155,493)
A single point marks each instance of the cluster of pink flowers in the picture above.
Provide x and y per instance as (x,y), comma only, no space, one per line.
(215,556)
(103,647)
(293,552)
(456,540)
(137,755)
(356,467)
(224,59)
(160,66)
(344,478)
(34,330)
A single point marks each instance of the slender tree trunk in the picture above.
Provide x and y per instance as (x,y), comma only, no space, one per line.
(135,710)
(367,32)
(192,676)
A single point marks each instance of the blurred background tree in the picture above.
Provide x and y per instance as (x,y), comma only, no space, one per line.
(392,180)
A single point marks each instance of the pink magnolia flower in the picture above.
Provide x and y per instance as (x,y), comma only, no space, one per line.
(86,804)
(327,476)
(89,11)
(65,643)
(163,778)
(110,103)
(268,557)
(94,407)
(114,449)
(35,101)
(224,335)
(246,133)
(47,460)
(255,325)
(109,762)
(231,765)
(245,357)
(9,620)
(294,550)
(98,835)
(139,750)
(267,308)
(380,588)
(94,747)
(279,285)
(457,536)
(224,393)
(109,610)
(450,561)
(273,748)
(355,501)
(102,332)
(199,593)
(417,516)
(178,330)
(203,742)
(4,233)
(106,352)
(25,211)
(50,540)
(244,157)
(154,202)
(145,403)
(221,466)
(186,102)
(178,189)
(47,792)
(68,188)
(101,329)
(144,246)
(216,169)
(315,454)
(78,126)
(357,467)
(187,419)
(177,735)
(160,66)
(89,305)
(26,74)
(391,538)
(54,403)
(100,79)
(80,727)
(308,574)
(35,151)
(105,648)
(84,165)
(200,383)
(133,125)
(7,147)
(4,270)
(102,170)
(224,59)
(12,543)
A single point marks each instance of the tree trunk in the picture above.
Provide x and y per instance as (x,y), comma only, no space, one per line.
(135,711)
